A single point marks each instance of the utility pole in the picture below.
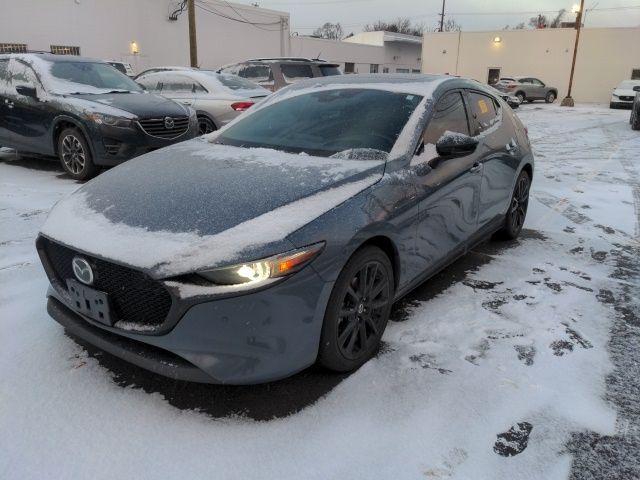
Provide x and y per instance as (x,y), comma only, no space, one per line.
(193,41)
(568,100)
(442,17)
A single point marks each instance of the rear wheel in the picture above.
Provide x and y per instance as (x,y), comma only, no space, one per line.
(75,155)
(205,125)
(517,212)
(635,118)
(550,98)
(358,311)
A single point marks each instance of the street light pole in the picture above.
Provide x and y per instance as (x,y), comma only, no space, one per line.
(193,41)
(568,100)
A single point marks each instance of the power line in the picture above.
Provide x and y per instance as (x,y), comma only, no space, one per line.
(260,25)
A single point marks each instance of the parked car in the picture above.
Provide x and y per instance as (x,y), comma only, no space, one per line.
(634,120)
(163,69)
(83,111)
(276,73)
(624,94)
(217,98)
(512,101)
(527,88)
(122,67)
(285,238)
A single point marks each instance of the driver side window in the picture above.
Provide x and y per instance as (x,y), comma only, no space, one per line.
(450,115)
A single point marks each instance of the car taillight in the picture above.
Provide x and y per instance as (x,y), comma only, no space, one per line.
(511,85)
(241,106)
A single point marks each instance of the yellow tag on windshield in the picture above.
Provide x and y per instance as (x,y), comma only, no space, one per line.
(483,106)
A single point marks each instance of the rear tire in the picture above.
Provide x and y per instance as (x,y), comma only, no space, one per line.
(635,118)
(550,98)
(205,125)
(75,155)
(358,311)
(514,220)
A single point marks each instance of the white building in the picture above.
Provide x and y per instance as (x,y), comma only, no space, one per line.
(148,33)
(606,56)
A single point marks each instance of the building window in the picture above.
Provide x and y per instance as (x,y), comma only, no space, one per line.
(13,48)
(349,67)
(65,50)
(402,70)
(635,74)
(373,68)
(385,69)
(415,70)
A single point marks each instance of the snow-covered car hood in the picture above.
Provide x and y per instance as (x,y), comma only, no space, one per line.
(142,105)
(196,205)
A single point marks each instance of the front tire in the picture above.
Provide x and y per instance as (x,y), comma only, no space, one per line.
(358,311)
(550,98)
(514,220)
(521,96)
(75,155)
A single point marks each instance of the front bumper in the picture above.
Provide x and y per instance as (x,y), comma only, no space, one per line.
(617,102)
(254,338)
(114,145)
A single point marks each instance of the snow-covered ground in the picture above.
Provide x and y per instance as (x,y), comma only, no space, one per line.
(521,361)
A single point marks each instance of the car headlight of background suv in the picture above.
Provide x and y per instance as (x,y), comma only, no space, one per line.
(259,272)
(111,120)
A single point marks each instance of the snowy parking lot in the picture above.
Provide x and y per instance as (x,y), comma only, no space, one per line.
(519,361)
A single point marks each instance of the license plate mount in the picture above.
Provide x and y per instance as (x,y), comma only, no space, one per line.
(90,302)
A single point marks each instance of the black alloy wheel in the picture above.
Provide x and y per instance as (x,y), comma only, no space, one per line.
(205,125)
(75,155)
(517,212)
(358,311)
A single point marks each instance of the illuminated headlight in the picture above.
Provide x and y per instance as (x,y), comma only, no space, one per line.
(260,271)
(111,120)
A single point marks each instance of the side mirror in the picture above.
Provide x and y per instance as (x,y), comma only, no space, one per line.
(456,145)
(27,91)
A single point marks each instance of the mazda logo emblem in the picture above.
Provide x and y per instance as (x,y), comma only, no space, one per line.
(82,270)
(168,122)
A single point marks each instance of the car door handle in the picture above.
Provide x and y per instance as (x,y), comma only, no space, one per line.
(477,166)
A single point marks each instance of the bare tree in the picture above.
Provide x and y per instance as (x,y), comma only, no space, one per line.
(450,25)
(331,31)
(399,25)
(520,26)
(542,21)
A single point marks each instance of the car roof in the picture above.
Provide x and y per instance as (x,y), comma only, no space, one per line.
(418,84)
(50,57)
(206,77)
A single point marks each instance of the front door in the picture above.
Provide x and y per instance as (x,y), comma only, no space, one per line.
(448,188)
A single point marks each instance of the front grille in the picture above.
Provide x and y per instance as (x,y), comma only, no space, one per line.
(626,98)
(157,127)
(135,297)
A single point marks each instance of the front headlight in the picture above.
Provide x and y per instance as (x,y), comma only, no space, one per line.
(111,120)
(260,271)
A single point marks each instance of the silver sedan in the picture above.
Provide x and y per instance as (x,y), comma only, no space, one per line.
(217,98)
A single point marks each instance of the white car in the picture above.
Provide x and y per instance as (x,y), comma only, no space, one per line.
(624,94)
(217,98)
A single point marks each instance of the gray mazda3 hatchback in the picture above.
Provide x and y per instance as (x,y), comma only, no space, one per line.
(284,238)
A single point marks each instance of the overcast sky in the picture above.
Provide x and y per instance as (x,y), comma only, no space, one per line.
(471,14)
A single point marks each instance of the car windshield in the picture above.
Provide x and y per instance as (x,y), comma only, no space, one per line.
(338,121)
(629,84)
(86,77)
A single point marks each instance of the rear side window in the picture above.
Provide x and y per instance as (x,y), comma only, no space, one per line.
(329,70)
(256,73)
(295,73)
(177,85)
(234,82)
(450,115)
(484,110)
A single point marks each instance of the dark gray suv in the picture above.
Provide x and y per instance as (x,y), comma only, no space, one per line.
(84,111)
(276,73)
(284,238)
(527,89)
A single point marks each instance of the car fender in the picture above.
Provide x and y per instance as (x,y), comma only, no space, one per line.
(67,118)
